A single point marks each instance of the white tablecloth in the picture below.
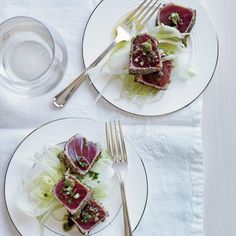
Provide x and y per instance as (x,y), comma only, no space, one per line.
(169,145)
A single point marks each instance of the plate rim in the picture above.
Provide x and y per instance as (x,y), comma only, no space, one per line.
(68,118)
(143,115)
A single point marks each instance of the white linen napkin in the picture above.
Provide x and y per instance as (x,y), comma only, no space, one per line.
(173,158)
(169,145)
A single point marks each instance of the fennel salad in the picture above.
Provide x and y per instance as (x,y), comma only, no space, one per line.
(55,186)
(147,64)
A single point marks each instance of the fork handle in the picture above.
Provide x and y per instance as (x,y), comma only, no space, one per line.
(61,98)
(127,225)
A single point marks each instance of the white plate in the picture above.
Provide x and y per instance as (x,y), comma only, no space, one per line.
(203,56)
(57,132)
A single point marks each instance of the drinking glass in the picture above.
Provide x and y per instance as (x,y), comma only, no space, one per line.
(33,57)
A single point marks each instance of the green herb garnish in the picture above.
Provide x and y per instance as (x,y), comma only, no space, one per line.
(87,216)
(69,188)
(82,163)
(147,46)
(174,17)
(69,183)
(93,175)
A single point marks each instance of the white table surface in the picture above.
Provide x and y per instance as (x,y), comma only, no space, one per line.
(219,130)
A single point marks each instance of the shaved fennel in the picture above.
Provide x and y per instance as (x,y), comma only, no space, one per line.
(133,88)
(170,39)
(36,198)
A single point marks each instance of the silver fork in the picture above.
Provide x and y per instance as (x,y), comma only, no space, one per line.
(124,33)
(116,148)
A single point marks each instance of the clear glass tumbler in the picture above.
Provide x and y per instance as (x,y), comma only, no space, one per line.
(33,58)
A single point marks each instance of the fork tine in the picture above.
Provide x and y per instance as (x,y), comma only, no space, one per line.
(144,9)
(134,12)
(108,139)
(118,143)
(150,15)
(122,142)
(146,14)
(113,144)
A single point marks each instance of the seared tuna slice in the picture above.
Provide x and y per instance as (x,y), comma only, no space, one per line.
(92,214)
(72,194)
(159,80)
(80,154)
(178,16)
(145,57)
